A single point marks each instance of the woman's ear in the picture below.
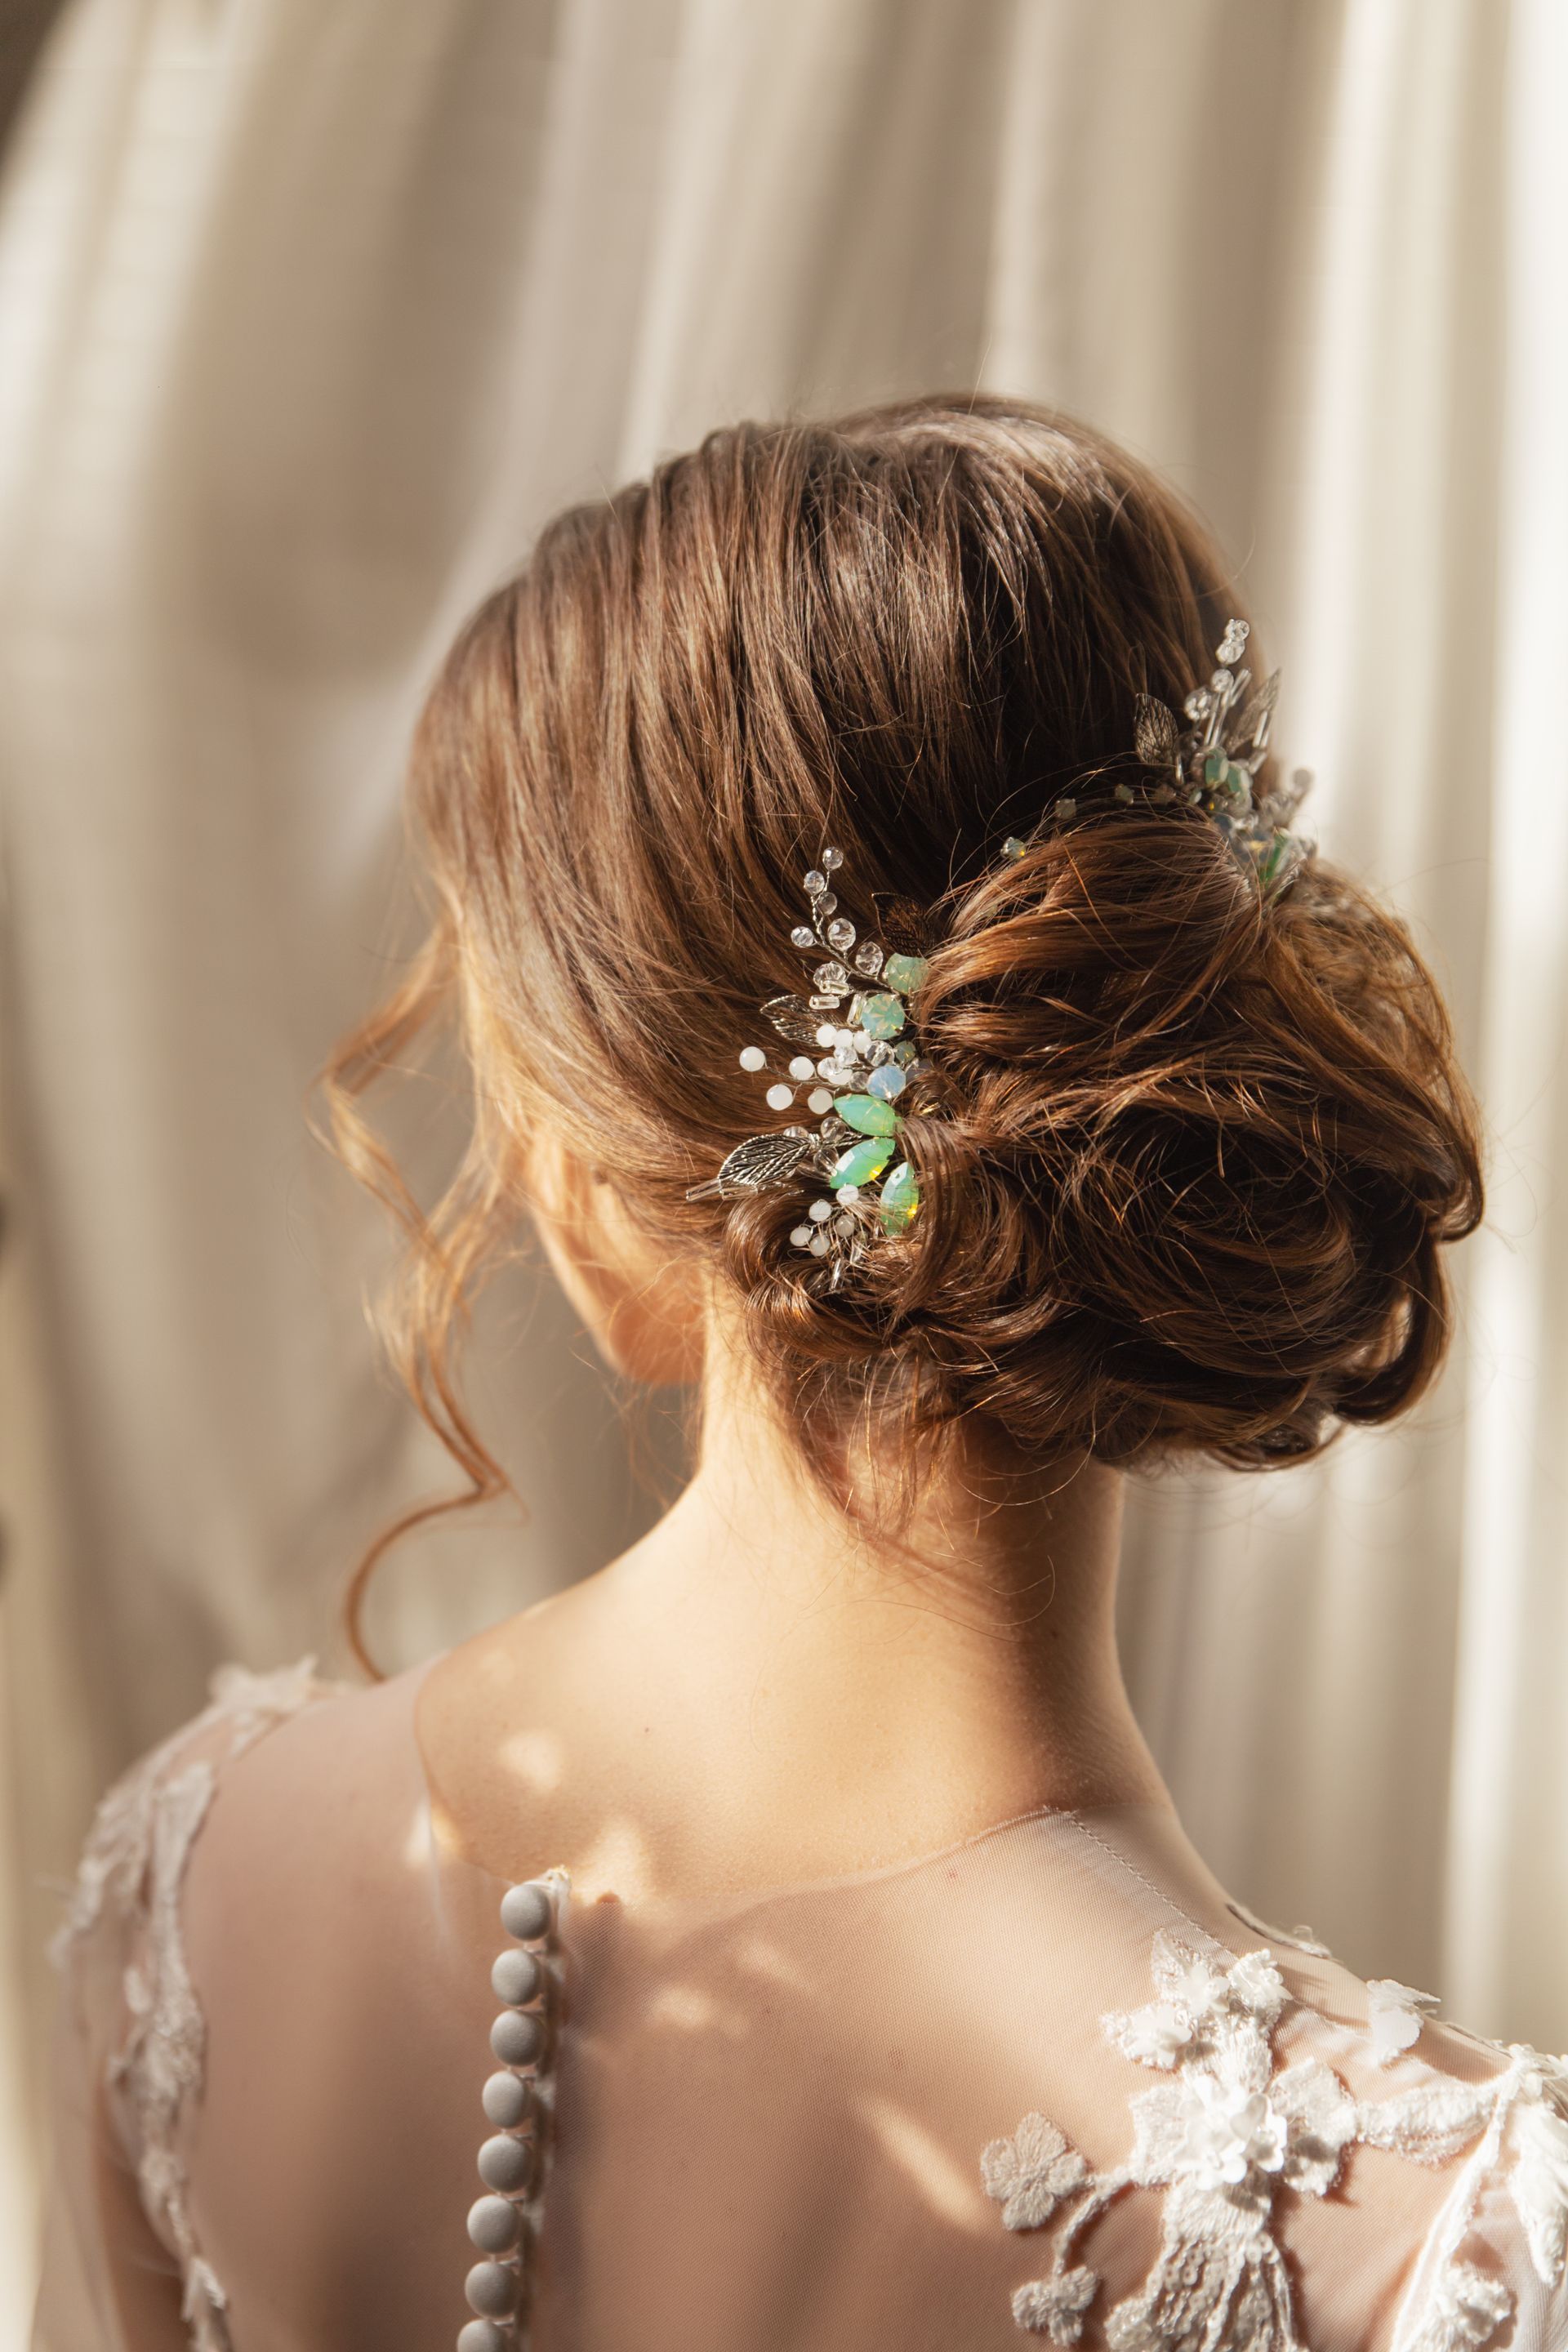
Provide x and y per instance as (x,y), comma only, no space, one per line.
(647,1312)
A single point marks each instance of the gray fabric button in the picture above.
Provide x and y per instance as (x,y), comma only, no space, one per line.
(525,1910)
(516,1976)
(516,2037)
(493,2225)
(506,2164)
(506,2099)
(491,2290)
(483,2335)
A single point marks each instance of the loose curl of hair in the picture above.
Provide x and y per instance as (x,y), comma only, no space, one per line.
(1190,1158)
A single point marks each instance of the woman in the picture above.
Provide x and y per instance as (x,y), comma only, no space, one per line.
(896,992)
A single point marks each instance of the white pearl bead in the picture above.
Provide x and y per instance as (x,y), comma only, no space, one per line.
(525,1910)
(827,1035)
(819,1100)
(515,1978)
(753,1058)
(801,1236)
(801,1069)
(506,2164)
(483,2335)
(491,2290)
(493,2224)
(849,1194)
(819,1212)
(506,2100)
(515,2037)
(780,1097)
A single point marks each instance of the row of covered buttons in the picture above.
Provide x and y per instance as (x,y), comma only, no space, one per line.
(511,2160)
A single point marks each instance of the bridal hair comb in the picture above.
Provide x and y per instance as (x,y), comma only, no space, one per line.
(854,1055)
(851,1025)
(1212,765)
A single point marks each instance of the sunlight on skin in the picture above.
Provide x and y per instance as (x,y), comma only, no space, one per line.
(423,1834)
(686,2008)
(765,1960)
(952,2194)
(536,1760)
(616,1861)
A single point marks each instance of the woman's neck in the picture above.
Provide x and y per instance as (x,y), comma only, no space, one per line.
(764,1692)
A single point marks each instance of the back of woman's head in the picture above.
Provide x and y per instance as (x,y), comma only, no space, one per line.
(1190,1156)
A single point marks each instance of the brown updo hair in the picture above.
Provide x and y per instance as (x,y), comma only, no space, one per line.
(1191,1157)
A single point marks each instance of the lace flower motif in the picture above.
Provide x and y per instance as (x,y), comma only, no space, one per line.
(133,1868)
(1393,2016)
(1227,2127)
(1030,2174)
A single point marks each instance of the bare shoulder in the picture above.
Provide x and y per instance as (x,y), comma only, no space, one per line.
(517,1733)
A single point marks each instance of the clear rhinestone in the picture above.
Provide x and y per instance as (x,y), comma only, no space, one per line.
(827,904)
(831,976)
(780,1097)
(1199,703)
(1233,645)
(841,933)
(801,937)
(753,1058)
(815,882)
(869,959)
(825,1003)
(1223,684)
(832,857)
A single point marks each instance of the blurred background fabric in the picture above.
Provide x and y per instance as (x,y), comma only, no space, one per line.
(310,316)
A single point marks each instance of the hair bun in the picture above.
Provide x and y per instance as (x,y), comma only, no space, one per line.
(1193,1163)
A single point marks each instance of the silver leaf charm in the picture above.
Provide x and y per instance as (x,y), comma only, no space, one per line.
(793,1017)
(1155,733)
(762,1161)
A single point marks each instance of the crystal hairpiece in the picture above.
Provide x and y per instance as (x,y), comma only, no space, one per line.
(853,1057)
(1212,764)
(850,1024)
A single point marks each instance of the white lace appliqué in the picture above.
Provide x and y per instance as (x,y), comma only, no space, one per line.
(1229,2128)
(134,1863)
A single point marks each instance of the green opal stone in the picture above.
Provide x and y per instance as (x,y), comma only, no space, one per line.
(881,1016)
(863,1163)
(900,1199)
(904,972)
(864,1112)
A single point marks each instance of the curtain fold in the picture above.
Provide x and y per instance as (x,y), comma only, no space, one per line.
(307,319)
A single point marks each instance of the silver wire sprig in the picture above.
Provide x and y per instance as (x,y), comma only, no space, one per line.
(1212,764)
(853,1013)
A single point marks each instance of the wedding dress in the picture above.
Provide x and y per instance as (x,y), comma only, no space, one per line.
(1050,2084)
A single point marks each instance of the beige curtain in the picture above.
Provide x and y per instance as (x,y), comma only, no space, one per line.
(309,315)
